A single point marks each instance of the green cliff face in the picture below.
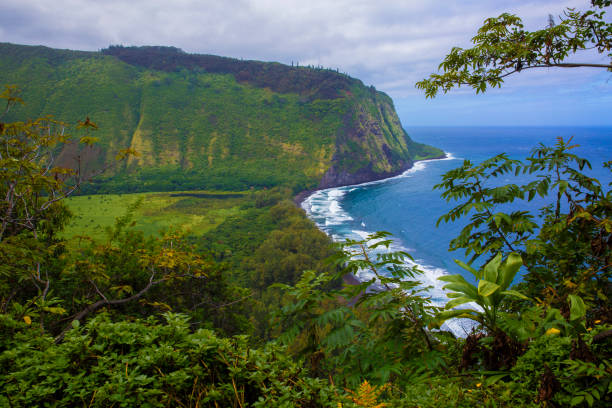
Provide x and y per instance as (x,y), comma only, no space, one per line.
(201,121)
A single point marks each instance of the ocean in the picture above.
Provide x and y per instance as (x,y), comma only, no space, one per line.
(408,207)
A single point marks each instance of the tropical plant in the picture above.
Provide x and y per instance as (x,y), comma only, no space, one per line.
(373,330)
(566,249)
(494,279)
(503,47)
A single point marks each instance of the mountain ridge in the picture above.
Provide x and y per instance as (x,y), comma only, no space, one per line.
(203,121)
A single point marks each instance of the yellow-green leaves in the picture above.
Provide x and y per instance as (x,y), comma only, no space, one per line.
(577,307)
(514,293)
(491,268)
(486,288)
(509,270)
(88,140)
(493,281)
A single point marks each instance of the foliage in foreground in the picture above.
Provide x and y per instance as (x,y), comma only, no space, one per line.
(503,47)
(373,330)
(546,342)
(149,364)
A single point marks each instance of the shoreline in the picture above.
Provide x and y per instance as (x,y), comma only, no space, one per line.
(298,199)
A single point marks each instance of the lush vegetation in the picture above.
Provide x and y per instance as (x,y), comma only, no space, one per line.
(503,47)
(206,122)
(190,212)
(207,298)
(221,313)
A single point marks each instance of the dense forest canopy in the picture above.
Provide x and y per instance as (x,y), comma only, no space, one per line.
(251,308)
(208,122)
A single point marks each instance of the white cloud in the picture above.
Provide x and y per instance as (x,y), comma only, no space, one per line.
(390,44)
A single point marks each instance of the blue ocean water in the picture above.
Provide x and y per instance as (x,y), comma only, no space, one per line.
(408,207)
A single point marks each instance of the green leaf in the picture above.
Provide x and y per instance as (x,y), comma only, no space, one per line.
(495,378)
(453,279)
(458,283)
(464,288)
(55,310)
(577,307)
(486,288)
(491,268)
(458,313)
(457,301)
(509,269)
(514,293)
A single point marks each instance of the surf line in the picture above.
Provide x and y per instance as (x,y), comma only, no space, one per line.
(324,208)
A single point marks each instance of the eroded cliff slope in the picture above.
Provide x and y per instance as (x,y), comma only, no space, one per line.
(209,122)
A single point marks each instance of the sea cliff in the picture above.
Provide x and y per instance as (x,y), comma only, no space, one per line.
(210,122)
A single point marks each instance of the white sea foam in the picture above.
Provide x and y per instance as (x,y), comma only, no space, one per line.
(324,207)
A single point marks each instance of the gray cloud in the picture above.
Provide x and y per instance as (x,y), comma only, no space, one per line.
(390,44)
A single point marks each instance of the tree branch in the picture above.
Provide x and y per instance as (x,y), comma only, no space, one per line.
(100,303)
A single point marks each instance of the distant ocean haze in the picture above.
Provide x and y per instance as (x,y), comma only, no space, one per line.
(408,207)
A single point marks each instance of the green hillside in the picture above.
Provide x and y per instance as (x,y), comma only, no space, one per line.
(207,122)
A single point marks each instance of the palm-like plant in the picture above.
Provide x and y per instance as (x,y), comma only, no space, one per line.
(493,282)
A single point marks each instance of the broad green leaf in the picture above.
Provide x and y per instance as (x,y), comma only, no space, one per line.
(514,293)
(495,378)
(453,279)
(577,307)
(492,267)
(459,284)
(466,289)
(509,269)
(458,313)
(458,301)
(486,288)
(576,400)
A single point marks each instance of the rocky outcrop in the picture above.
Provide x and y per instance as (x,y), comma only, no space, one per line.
(337,178)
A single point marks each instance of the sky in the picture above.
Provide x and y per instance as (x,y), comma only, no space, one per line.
(388,44)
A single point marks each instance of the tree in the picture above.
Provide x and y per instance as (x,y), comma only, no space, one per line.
(503,47)
(371,331)
(566,249)
(33,258)
(31,189)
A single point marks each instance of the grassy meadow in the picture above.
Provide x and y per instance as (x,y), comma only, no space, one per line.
(192,212)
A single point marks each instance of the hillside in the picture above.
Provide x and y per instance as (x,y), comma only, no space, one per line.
(208,122)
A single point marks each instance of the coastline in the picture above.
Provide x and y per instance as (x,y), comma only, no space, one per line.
(298,199)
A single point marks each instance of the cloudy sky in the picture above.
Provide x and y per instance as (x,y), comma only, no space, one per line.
(388,44)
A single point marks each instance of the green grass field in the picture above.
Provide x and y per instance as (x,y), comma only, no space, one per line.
(192,212)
